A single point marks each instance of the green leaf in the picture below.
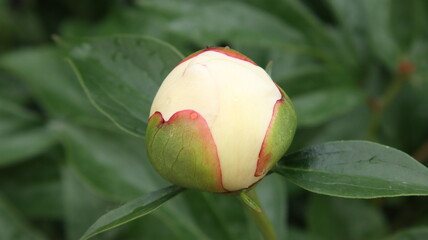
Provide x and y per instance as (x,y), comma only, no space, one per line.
(19,146)
(14,117)
(319,106)
(34,187)
(119,20)
(50,80)
(148,227)
(113,163)
(186,228)
(367,25)
(82,206)
(377,17)
(338,218)
(121,76)
(297,234)
(216,214)
(349,15)
(21,135)
(323,41)
(8,107)
(132,210)
(355,169)
(249,202)
(417,233)
(409,106)
(408,21)
(12,90)
(37,200)
(300,16)
(12,226)
(244,24)
(336,128)
(417,54)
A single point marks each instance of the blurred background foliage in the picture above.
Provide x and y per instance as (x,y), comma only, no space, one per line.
(354,70)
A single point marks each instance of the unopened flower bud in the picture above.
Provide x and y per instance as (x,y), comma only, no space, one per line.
(218,122)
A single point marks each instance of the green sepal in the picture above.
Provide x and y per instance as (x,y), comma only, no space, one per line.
(183,151)
(279,134)
(249,202)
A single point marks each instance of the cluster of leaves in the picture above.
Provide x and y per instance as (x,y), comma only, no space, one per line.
(354,70)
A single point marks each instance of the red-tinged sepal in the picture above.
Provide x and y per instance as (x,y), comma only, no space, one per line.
(183,151)
(279,135)
(224,50)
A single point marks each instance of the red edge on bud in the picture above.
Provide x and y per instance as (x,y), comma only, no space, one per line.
(162,121)
(264,155)
(200,122)
(224,50)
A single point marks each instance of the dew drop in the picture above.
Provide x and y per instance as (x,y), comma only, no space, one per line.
(193,116)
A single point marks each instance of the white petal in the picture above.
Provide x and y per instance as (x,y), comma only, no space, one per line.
(235,97)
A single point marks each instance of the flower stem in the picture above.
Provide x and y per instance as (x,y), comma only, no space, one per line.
(260,218)
(385,100)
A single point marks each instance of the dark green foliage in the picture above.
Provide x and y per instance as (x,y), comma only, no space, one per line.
(353,69)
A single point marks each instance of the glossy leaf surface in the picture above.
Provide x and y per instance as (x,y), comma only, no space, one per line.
(132,210)
(355,169)
(121,76)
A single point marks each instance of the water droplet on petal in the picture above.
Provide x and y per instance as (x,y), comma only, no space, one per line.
(193,115)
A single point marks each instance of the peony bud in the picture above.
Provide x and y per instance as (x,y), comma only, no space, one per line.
(218,122)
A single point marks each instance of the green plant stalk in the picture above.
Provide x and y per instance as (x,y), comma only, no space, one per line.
(260,218)
(385,100)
